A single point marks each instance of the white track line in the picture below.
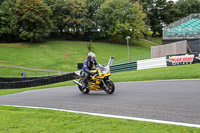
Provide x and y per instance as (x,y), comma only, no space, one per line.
(115,116)
(162,80)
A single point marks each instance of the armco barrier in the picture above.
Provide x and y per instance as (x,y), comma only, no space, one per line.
(36,82)
(123,67)
(152,63)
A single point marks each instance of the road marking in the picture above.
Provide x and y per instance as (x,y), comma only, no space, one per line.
(162,80)
(114,116)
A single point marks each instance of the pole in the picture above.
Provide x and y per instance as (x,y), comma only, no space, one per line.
(128,49)
(65,62)
(128,37)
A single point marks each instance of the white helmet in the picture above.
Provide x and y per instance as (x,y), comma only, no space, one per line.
(91,54)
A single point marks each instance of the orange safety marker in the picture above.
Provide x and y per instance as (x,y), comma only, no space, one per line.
(66,56)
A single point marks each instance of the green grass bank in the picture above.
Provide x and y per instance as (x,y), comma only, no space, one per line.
(49,55)
(19,120)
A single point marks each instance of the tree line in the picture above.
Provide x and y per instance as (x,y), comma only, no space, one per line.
(112,20)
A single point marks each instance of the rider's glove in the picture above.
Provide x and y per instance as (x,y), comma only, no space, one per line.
(91,73)
(96,72)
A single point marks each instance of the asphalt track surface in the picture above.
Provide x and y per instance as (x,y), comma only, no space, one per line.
(176,101)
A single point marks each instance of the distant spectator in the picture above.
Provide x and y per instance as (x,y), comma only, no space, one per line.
(22,74)
(196,16)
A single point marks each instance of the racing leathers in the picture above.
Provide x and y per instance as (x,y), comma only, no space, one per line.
(87,66)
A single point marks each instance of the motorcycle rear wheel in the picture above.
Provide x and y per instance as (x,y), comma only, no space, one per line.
(111,87)
(83,90)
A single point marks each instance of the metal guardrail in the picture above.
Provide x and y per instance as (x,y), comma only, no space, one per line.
(123,67)
(152,63)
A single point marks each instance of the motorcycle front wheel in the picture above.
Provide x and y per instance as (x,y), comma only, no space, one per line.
(111,87)
(83,90)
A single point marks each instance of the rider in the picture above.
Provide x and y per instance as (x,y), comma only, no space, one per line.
(87,66)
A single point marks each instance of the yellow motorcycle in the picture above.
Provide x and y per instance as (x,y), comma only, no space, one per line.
(100,81)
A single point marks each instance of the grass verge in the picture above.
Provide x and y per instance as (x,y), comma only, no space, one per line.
(14,119)
(166,73)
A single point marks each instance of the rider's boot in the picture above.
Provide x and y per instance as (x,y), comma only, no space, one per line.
(85,84)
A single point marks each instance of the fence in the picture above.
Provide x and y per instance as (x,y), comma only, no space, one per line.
(169,49)
(15,71)
(133,58)
(10,83)
(27,74)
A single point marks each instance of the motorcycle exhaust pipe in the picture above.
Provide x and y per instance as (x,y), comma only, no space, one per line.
(76,82)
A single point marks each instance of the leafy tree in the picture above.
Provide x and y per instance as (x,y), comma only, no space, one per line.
(187,7)
(66,17)
(92,7)
(5,18)
(162,12)
(140,29)
(147,6)
(1,1)
(75,16)
(115,17)
(121,18)
(31,19)
(159,13)
(57,14)
(92,29)
(169,13)
(155,16)
(49,2)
